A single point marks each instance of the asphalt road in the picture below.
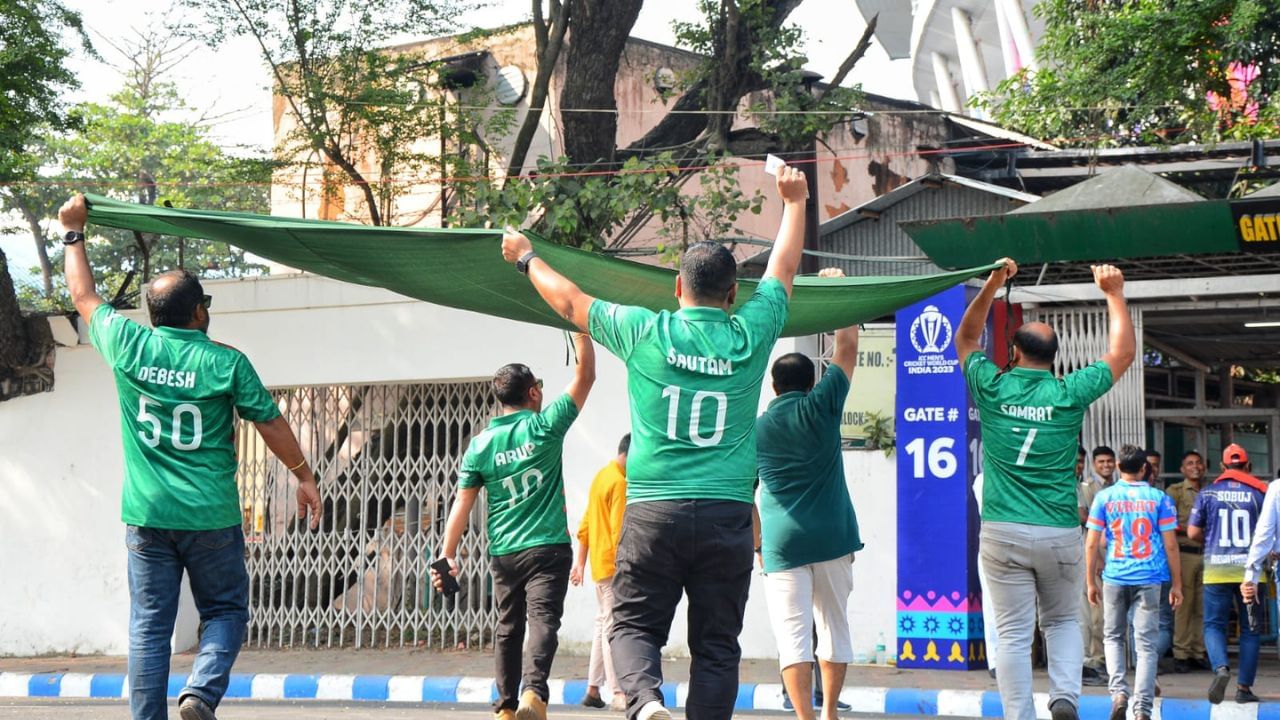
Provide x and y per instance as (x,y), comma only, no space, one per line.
(36,709)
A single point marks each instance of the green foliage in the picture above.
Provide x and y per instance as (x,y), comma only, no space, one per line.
(1123,72)
(363,107)
(585,210)
(36,38)
(879,430)
(122,141)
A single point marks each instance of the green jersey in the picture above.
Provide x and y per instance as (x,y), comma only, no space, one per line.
(1030,424)
(694,381)
(517,460)
(178,390)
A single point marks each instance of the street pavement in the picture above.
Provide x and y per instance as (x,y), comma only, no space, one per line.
(311,710)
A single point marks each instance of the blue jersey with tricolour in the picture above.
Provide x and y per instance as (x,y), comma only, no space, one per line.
(1131,515)
(1227,511)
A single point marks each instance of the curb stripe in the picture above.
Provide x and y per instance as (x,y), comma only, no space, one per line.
(482,690)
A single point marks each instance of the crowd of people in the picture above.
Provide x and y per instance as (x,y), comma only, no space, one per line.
(699,491)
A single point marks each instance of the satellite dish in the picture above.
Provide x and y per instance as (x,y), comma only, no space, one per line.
(510,85)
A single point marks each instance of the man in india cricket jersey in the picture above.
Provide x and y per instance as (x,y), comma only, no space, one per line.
(179,394)
(1031,548)
(517,460)
(1135,523)
(694,379)
(1223,520)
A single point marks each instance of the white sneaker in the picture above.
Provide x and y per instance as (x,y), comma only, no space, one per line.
(653,710)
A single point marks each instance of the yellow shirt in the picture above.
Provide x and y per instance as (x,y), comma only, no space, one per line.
(602,523)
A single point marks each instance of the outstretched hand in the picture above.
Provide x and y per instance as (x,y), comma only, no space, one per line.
(1109,279)
(1006,273)
(514,245)
(792,185)
(74,213)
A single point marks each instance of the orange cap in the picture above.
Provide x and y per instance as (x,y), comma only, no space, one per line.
(1233,453)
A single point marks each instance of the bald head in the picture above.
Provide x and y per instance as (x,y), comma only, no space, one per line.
(174,300)
(1037,345)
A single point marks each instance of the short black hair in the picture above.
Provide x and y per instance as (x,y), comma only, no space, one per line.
(1132,459)
(1104,450)
(1081,452)
(708,271)
(176,306)
(1237,466)
(793,372)
(1035,346)
(624,445)
(511,384)
(1188,454)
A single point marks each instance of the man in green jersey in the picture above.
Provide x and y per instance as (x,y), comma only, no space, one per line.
(179,394)
(694,380)
(517,460)
(1031,547)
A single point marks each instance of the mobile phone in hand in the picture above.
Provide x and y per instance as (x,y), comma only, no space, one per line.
(449,583)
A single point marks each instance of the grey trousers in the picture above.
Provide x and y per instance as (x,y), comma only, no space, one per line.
(1116,600)
(1029,566)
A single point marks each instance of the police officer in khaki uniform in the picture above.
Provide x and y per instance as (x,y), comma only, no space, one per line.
(1188,629)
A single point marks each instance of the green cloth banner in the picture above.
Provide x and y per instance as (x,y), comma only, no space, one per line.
(463,267)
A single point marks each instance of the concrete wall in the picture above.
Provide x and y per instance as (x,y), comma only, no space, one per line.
(61,549)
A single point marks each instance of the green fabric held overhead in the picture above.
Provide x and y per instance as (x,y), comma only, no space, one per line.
(463,267)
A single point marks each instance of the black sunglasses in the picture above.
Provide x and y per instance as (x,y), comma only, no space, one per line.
(206,301)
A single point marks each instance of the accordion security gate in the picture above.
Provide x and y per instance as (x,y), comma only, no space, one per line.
(387,458)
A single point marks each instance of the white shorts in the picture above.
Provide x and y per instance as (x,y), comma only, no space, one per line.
(808,598)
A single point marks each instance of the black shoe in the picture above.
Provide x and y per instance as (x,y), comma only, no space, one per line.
(1164,666)
(1119,706)
(1062,709)
(1245,695)
(1092,678)
(1200,664)
(1141,716)
(1219,686)
(592,701)
(1182,665)
(191,707)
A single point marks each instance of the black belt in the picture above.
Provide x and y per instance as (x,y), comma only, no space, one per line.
(1191,550)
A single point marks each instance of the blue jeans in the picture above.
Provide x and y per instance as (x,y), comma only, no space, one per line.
(1164,642)
(214,562)
(1218,600)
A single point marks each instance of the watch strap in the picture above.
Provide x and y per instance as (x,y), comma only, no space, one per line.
(72,237)
(523,263)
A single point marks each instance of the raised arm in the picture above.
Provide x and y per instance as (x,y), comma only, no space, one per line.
(74,215)
(969,334)
(784,261)
(845,355)
(283,444)
(566,298)
(1121,345)
(584,375)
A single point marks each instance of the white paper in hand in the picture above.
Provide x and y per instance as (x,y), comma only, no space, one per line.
(772,164)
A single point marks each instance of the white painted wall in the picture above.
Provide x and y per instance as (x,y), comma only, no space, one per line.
(61,541)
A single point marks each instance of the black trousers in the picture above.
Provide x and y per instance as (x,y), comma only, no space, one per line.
(702,548)
(530,583)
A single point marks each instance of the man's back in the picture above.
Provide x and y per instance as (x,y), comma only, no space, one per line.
(602,522)
(1228,511)
(1030,421)
(694,380)
(1132,516)
(805,512)
(177,392)
(518,459)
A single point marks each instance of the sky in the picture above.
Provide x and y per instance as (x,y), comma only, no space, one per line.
(232,83)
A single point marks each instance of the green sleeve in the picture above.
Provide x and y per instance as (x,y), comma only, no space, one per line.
(1089,383)
(252,400)
(114,335)
(618,327)
(556,418)
(765,312)
(979,374)
(469,471)
(828,396)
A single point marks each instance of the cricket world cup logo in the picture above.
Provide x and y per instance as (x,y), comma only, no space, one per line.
(931,331)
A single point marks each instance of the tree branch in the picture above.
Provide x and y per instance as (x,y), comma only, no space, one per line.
(550,43)
(858,51)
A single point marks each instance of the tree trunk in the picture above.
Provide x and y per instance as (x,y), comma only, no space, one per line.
(38,235)
(600,32)
(15,344)
(550,40)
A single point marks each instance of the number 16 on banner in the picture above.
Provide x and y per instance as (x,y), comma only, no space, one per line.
(939,455)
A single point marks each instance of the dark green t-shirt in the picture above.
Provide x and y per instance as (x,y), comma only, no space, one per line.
(1030,424)
(517,460)
(177,392)
(693,377)
(806,515)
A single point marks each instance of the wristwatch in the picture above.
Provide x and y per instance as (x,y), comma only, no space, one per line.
(523,263)
(72,237)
